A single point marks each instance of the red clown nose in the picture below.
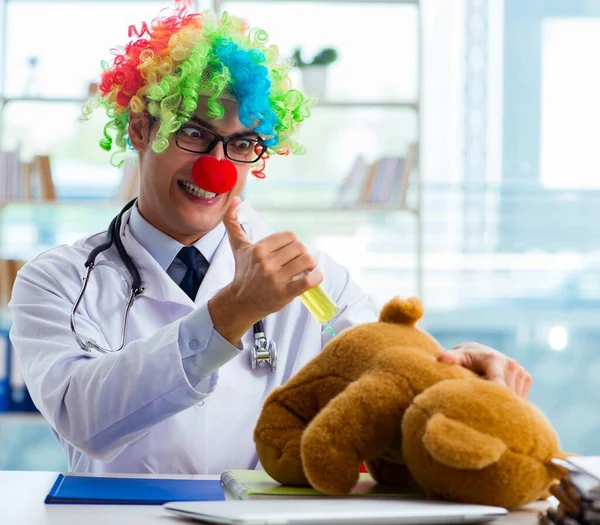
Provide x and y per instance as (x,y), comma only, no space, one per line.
(216,176)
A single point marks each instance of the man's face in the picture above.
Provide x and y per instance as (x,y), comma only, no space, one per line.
(166,198)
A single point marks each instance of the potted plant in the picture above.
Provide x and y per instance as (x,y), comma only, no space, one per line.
(314,73)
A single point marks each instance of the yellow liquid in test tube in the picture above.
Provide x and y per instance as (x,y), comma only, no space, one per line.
(322,308)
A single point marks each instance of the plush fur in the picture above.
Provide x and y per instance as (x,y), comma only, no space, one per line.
(377,393)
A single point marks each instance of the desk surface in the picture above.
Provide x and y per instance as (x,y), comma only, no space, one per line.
(22,502)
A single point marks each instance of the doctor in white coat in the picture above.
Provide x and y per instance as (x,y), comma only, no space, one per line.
(181,396)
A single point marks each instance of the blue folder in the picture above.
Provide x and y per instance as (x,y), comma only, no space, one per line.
(132,491)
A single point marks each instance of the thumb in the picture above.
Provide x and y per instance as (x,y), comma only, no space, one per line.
(237,237)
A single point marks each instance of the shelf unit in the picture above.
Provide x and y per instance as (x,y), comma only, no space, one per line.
(66,100)
(375,208)
(218,4)
(392,104)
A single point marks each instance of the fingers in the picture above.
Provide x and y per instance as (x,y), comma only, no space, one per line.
(231,212)
(276,250)
(268,274)
(519,383)
(493,369)
(303,264)
(290,260)
(527,385)
(277,241)
(235,233)
(492,364)
(517,378)
(288,253)
(301,285)
(523,382)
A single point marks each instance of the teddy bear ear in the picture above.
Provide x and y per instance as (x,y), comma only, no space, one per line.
(460,446)
(402,311)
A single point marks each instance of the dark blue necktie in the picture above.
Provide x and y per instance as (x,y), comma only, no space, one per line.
(196,266)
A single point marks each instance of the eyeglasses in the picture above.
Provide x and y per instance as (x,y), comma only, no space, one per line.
(238,149)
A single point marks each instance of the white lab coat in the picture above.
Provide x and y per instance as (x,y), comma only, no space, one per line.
(135,411)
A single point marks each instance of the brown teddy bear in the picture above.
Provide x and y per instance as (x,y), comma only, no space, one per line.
(377,393)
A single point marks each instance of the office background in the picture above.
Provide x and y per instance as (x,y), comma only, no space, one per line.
(493,104)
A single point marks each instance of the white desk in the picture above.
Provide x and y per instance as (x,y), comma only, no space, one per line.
(22,503)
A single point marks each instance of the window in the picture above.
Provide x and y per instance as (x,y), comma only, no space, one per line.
(570,103)
(71,40)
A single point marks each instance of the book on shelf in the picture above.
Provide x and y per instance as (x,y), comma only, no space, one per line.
(37,179)
(11,182)
(25,180)
(384,183)
(33,180)
(349,192)
(8,274)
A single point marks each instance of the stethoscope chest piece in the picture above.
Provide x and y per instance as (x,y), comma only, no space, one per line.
(263,353)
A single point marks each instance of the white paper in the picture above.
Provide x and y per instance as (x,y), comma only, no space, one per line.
(588,464)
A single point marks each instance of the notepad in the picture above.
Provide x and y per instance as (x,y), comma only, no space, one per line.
(132,491)
(251,484)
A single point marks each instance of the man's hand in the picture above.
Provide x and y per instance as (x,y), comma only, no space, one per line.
(490,363)
(268,275)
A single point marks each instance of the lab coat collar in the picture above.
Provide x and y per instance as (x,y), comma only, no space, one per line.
(163,247)
(160,287)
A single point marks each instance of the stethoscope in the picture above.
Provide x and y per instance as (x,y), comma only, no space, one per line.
(262,353)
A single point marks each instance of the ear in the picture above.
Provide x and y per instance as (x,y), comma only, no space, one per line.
(401,311)
(139,130)
(460,446)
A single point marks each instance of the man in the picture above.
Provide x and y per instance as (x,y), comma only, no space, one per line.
(202,100)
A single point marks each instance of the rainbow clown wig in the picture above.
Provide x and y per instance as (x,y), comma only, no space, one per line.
(176,59)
